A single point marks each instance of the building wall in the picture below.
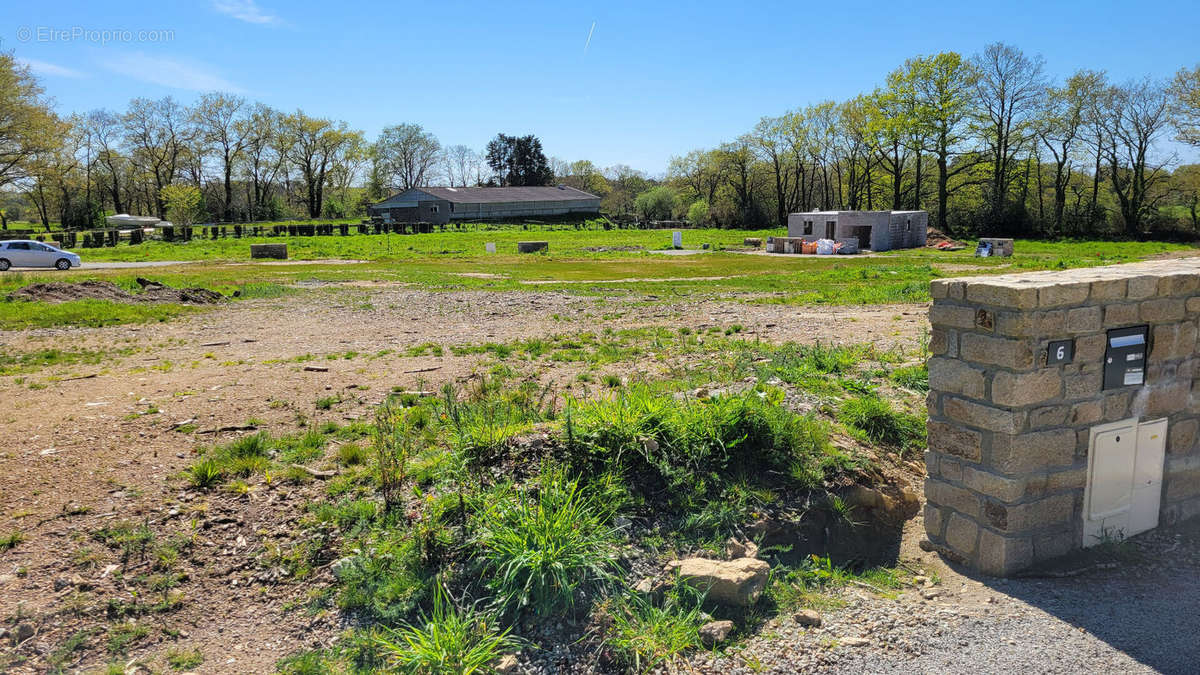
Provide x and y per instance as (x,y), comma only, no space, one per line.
(1009,435)
(496,210)
(414,206)
(889,229)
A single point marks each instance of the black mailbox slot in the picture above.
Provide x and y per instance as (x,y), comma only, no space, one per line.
(1125,358)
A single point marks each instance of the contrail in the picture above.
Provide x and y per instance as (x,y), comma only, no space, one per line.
(589,40)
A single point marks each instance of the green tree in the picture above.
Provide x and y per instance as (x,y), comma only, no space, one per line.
(518,161)
(1185,183)
(657,203)
(218,118)
(697,213)
(182,203)
(29,129)
(1185,105)
(942,87)
(314,146)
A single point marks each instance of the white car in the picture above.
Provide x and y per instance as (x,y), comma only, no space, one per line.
(28,253)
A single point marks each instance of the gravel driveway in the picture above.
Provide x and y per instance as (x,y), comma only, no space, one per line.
(1142,616)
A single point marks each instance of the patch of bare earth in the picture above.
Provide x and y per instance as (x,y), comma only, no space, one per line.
(82,454)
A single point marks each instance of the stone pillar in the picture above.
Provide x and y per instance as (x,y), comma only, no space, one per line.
(1008,433)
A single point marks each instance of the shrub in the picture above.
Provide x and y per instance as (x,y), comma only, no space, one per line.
(450,640)
(875,419)
(540,547)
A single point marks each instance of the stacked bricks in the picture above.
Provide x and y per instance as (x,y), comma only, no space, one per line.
(1008,435)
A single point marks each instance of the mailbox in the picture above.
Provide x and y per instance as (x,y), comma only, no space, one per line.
(1125,358)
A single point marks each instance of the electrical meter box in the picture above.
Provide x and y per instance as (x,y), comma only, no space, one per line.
(1125,357)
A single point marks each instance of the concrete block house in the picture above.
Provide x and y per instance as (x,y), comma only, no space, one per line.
(873,230)
(445,204)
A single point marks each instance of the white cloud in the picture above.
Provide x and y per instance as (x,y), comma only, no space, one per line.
(245,10)
(169,73)
(49,69)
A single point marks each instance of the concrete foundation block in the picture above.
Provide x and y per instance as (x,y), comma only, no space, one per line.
(272,251)
(532,246)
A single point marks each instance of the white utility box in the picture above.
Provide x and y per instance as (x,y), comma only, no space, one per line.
(1124,486)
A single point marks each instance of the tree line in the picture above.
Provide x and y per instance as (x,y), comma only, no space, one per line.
(989,144)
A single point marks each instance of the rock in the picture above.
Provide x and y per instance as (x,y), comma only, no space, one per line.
(930,593)
(645,586)
(808,617)
(22,633)
(927,546)
(734,582)
(853,642)
(715,632)
(863,497)
(508,665)
(740,549)
(650,445)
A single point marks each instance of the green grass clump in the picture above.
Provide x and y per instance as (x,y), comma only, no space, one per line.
(10,540)
(915,377)
(352,454)
(184,659)
(205,473)
(448,640)
(542,546)
(645,635)
(694,448)
(876,420)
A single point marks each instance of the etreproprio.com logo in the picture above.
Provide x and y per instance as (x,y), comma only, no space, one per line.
(93,35)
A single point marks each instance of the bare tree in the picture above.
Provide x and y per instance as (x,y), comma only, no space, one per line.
(462,165)
(105,127)
(1008,87)
(1060,126)
(1137,116)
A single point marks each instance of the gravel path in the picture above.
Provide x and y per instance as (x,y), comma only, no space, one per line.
(1140,617)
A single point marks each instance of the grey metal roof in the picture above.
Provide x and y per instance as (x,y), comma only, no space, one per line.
(494,195)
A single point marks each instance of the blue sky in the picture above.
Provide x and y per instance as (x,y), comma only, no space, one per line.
(654,81)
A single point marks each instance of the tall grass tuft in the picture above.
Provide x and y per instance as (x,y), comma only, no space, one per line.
(449,640)
(876,420)
(644,635)
(542,546)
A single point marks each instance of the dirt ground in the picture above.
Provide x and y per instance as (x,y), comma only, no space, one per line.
(78,454)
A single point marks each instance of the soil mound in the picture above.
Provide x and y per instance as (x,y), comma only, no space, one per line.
(62,291)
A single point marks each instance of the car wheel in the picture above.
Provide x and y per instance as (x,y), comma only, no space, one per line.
(4,264)
(63,264)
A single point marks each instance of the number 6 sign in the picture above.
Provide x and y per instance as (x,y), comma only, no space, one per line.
(1060,352)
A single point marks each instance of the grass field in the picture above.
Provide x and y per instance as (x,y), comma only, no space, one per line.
(586,263)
